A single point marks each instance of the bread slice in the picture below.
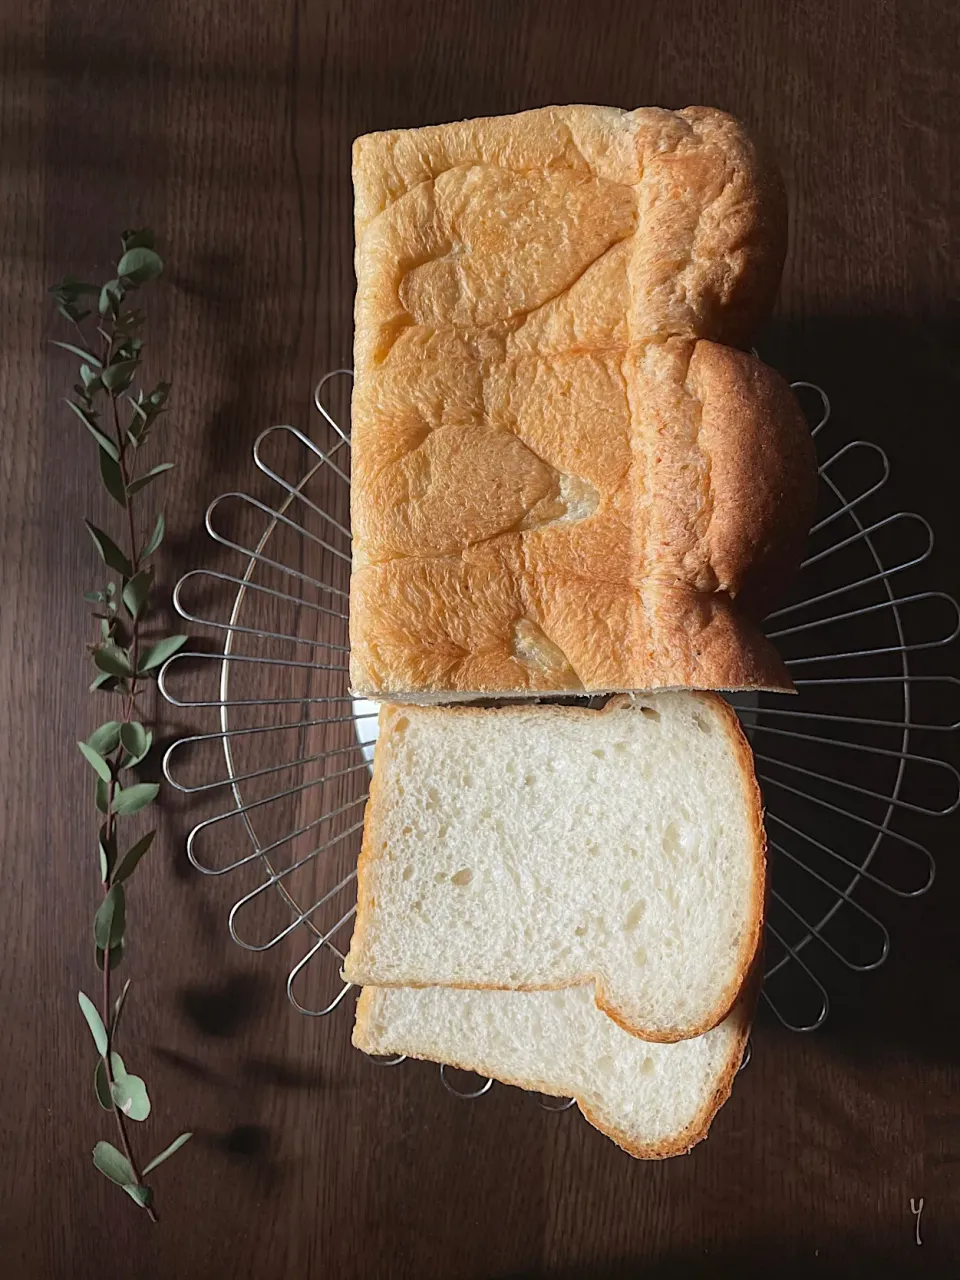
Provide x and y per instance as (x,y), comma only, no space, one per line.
(563,479)
(541,847)
(653,1100)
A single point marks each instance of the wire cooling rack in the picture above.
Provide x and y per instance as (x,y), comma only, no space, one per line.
(284,775)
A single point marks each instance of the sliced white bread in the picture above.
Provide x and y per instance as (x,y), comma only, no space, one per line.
(653,1100)
(543,847)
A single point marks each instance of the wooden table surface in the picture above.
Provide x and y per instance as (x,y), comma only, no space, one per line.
(227,128)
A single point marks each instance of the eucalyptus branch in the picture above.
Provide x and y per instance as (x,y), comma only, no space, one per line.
(119,746)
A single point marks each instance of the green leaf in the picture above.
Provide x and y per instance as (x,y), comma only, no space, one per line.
(138,588)
(138,1192)
(110,553)
(142,481)
(142,239)
(112,1164)
(101,1086)
(95,760)
(90,377)
(137,742)
(116,955)
(140,264)
(105,443)
(113,660)
(112,479)
(130,1095)
(155,538)
(105,738)
(129,861)
(118,376)
(109,921)
(132,799)
(103,795)
(118,1009)
(157,654)
(108,853)
(94,1022)
(167,1152)
(111,295)
(86,356)
(99,681)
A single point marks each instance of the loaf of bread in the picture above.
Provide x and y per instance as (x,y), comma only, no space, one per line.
(536,847)
(564,479)
(654,1100)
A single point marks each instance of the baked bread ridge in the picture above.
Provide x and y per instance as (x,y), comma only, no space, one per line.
(653,1101)
(520,402)
(411,931)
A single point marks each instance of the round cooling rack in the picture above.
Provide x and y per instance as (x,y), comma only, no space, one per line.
(281,774)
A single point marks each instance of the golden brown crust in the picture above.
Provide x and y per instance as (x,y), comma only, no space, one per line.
(372,846)
(554,474)
(677,1144)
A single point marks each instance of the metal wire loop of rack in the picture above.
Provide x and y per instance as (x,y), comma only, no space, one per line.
(799,835)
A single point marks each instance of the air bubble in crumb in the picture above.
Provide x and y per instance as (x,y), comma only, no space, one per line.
(650,713)
(703,725)
(647,1066)
(640,957)
(463,876)
(408,872)
(600,753)
(401,724)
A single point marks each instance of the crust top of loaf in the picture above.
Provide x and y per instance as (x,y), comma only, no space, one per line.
(561,479)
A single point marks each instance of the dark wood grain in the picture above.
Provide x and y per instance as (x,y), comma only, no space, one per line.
(228,128)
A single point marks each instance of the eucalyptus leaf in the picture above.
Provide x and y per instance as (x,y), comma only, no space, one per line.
(155,538)
(108,923)
(167,1152)
(112,478)
(99,681)
(144,740)
(90,377)
(130,1095)
(140,264)
(110,553)
(86,356)
(94,1022)
(95,760)
(138,1192)
(111,295)
(118,376)
(157,654)
(118,1008)
(101,1086)
(113,1164)
(106,737)
(89,422)
(130,800)
(137,590)
(116,955)
(113,660)
(142,481)
(103,795)
(128,863)
(94,597)
(107,845)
